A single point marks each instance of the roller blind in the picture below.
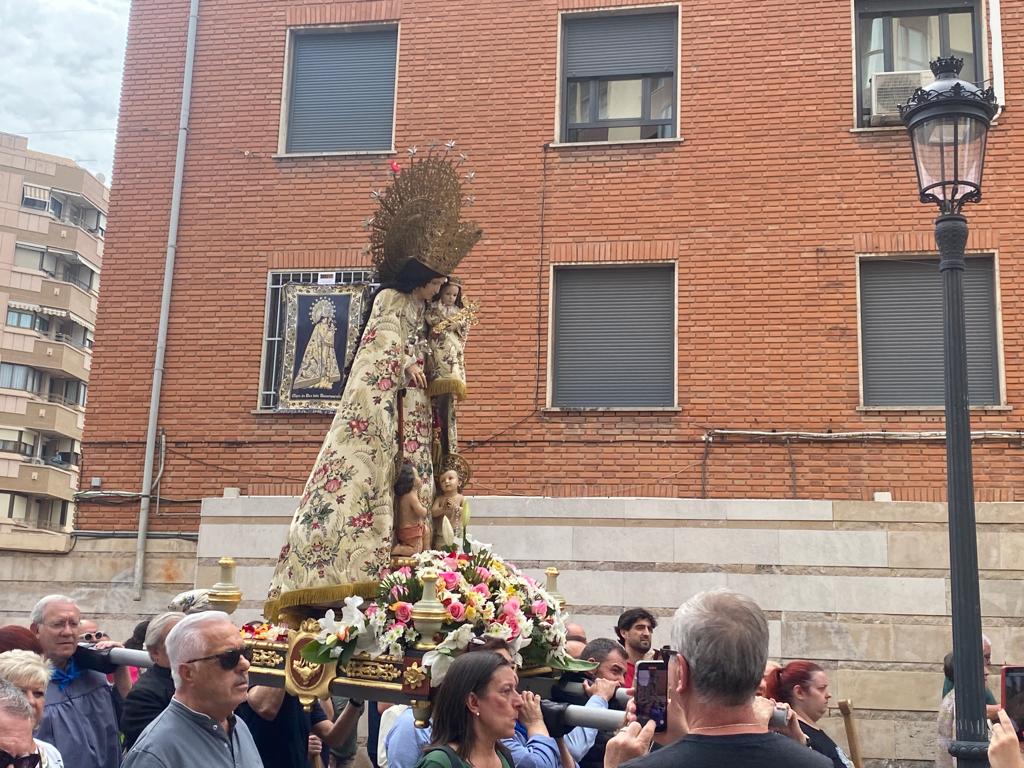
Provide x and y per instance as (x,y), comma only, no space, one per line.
(901,332)
(342,90)
(619,44)
(614,337)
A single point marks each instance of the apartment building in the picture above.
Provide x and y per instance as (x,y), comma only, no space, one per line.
(52,223)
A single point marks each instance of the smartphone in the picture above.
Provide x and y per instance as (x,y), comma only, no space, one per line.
(1012,684)
(651,693)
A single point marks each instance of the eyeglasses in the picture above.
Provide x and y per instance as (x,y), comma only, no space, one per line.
(8,760)
(95,637)
(228,660)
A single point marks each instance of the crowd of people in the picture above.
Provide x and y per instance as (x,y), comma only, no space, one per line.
(195,704)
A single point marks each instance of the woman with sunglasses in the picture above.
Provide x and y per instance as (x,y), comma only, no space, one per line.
(477,705)
(30,673)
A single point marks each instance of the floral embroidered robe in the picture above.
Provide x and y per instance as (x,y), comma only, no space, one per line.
(341,534)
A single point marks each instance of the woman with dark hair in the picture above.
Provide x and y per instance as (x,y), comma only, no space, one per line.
(15,638)
(476,706)
(804,686)
(342,533)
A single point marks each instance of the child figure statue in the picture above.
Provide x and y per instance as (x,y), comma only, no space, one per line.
(450,510)
(412,535)
(449,320)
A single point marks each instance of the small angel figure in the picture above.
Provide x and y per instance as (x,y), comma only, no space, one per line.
(450,510)
(449,320)
(412,535)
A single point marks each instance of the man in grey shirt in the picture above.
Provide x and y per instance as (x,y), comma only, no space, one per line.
(210,667)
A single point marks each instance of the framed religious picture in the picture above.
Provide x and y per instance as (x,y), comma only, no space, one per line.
(321,334)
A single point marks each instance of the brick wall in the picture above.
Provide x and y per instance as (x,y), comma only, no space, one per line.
(764,204)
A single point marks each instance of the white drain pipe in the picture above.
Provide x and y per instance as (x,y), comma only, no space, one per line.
(165,300)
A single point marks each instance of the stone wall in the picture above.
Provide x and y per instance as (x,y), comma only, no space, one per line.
(860,587)
(97,572)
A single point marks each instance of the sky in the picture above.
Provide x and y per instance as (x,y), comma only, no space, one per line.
(60,76)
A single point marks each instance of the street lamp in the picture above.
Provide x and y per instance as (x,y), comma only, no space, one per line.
(948,124)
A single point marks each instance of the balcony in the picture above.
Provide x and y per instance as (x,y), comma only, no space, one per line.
(49,418)
(70,297)
(54,357)
(65,236)
(42,480)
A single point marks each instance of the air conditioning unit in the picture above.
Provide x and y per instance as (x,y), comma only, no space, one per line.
(890,89)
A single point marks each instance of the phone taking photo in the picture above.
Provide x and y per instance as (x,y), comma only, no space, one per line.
(1012,684)
(651,693)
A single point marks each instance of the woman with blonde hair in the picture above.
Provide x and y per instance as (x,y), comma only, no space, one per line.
(31,673)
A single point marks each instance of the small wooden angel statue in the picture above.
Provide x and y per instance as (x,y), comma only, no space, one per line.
(450,510)
(412,534)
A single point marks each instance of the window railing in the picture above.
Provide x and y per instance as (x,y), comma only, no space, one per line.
(61,400)
(65,338)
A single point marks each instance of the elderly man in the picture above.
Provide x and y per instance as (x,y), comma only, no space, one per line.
(15,727)
(153,691)
(575,639)
(79,718)
(210,667)
(720,642)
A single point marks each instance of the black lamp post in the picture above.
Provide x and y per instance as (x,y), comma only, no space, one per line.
(948,123)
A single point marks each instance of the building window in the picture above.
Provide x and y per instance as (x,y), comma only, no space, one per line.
(18,319)
(22,377)
(613,339)
(896,41)
(341,90)
(36,198)
(619,76)
(901,332)
(273,340)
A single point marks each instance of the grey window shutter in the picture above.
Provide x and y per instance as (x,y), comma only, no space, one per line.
(619,44)
(614,337)
(342,90)
(901,332)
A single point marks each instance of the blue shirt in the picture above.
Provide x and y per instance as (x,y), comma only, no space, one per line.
(80,721)
(405,746)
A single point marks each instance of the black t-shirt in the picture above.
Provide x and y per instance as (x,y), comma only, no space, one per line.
(284,741)
(819,741)
(745,750)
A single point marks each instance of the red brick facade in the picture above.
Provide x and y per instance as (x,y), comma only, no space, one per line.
(764,205)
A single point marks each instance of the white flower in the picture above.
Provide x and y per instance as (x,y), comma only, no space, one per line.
(438,663)
(450,144)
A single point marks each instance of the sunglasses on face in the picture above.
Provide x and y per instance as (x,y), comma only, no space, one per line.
(95,637)
(25,761)
(228,660)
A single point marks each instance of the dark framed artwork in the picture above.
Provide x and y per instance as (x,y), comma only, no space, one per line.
(321,335)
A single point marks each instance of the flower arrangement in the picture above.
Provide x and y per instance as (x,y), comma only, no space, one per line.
(264,631)
(483,596)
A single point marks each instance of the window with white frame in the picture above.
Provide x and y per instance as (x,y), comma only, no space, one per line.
(613,336)
(341,89)
(901,332)
(897,40)
(619,75)
(36,198)
(274,338)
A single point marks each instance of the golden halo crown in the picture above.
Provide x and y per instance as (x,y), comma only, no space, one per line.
(419,216)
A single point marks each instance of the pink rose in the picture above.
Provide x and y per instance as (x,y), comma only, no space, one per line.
(483,573)
(403,612)
(457,611)
(540,608)
(385,384)
(371,609)
(511,608)
(481,589)
(450,579)
(451,563)
(512,624)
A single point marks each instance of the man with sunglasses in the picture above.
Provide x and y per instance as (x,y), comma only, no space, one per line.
(80,717)
(210,667)
(17,749)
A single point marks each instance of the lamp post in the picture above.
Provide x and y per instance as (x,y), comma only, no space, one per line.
(948,124)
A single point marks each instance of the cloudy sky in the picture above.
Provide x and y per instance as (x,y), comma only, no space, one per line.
(60,76)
